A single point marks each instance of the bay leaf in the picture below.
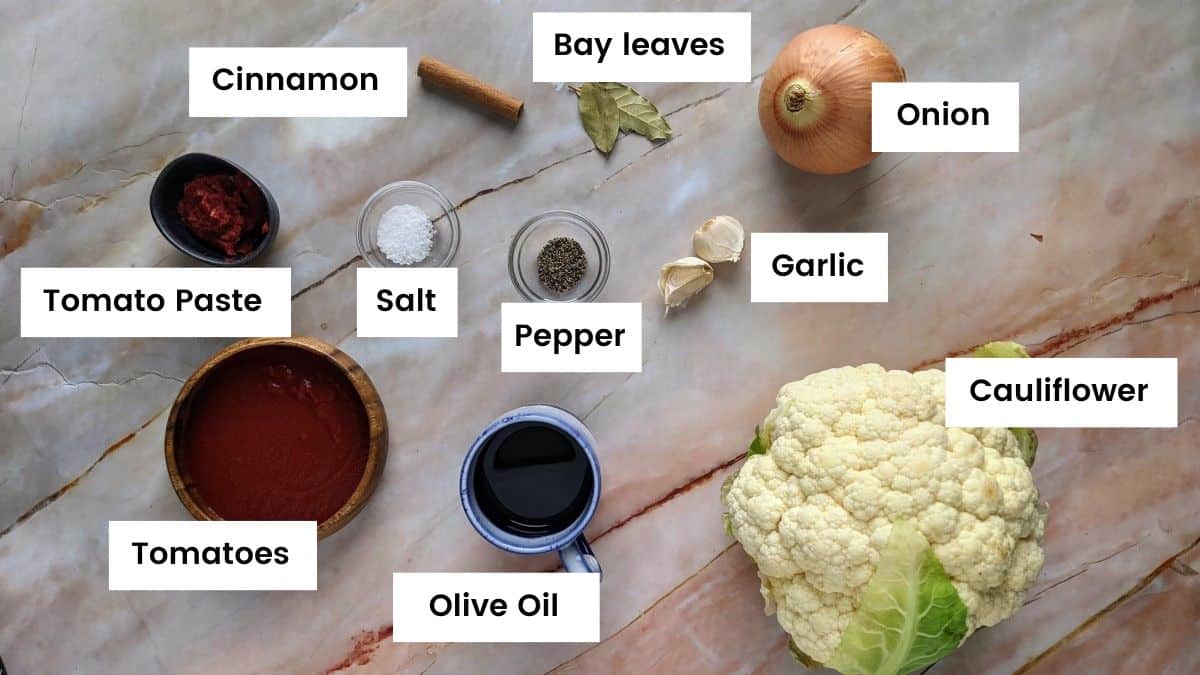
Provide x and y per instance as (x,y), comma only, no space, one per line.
(637,113)
(600,117)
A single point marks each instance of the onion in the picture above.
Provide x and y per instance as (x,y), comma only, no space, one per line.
(815,101)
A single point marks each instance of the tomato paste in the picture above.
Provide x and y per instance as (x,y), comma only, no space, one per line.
(227,212)
(274,433)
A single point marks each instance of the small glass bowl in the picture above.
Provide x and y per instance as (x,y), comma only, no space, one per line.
(533,235)
(425,197)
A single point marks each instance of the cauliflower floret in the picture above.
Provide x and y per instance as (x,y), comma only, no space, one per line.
(801,608)
(851,450)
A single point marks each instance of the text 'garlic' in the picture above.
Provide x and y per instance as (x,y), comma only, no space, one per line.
(719,239)
(678,281)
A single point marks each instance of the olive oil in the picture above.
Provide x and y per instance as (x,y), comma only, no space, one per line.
(532,479)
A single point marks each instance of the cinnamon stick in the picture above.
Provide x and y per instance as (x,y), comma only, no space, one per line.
(438,74)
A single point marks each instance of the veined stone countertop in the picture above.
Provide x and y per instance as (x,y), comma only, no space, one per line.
(1087,242)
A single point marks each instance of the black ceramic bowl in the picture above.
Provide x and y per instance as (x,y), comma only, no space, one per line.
(167,191)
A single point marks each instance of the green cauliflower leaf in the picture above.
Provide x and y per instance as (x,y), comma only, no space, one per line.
(910,616)
(759,445)
(1001,350)
(1027,439)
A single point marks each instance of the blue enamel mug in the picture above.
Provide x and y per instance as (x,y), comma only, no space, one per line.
(566,537)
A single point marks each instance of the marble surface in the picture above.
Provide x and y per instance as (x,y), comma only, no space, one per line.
(1087,242)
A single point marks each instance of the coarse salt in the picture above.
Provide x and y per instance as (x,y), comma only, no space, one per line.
(405,234)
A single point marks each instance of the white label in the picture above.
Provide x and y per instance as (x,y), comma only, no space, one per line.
(297,82)
(945,117)
(212,555)
(641,46)
(1063,392)
(587,337)
(155,302)
(416,302)
(496,607)
(819,267)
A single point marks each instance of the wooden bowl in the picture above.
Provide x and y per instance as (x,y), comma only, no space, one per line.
(372,406)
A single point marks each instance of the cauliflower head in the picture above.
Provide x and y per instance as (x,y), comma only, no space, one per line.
(854,472)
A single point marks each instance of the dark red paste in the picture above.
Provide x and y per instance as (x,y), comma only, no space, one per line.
(274,433)
(227,212)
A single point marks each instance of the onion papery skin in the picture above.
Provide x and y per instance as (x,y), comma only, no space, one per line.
(815,101)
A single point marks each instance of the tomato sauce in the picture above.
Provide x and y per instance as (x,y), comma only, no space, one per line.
(274,433)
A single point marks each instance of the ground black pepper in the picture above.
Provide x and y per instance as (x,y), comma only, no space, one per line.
(561,264)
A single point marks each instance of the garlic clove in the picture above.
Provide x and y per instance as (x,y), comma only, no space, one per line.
(681,279)
(719,239)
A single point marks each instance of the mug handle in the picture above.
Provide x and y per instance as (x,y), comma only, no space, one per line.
(577,556)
